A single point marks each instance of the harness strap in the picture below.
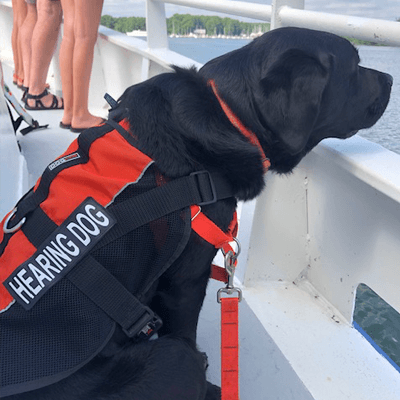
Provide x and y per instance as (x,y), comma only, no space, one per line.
(198,188)
(210,232)
(97,283)
(102,287)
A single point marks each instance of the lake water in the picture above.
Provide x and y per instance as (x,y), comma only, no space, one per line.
(376,318)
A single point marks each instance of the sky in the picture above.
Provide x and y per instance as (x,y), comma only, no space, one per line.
(383,9)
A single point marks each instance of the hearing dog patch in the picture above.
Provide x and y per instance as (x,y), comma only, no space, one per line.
(59,253)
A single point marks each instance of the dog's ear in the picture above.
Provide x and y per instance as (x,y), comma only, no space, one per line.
(291,96)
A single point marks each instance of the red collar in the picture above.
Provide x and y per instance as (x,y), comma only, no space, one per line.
(235,121)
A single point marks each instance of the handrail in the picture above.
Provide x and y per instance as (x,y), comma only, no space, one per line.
(370,29)
(291,13)
(239,8)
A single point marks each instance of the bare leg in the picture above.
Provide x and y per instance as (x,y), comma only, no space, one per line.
(26,32)
(85,30)
(44,40)
(19,12)
(14,37)
(66,59)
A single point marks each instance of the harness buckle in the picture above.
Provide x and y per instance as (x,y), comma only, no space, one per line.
(145,327)
(204,178)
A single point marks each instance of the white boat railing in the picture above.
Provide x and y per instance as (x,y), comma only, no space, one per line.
(291,13)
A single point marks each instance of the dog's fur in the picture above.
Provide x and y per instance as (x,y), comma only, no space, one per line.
(292,88)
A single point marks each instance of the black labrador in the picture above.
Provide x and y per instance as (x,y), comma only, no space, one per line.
(292,88)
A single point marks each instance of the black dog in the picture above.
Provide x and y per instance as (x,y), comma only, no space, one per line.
(292,88)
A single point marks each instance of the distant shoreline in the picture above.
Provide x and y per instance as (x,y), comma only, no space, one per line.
(195,36)
(236,37)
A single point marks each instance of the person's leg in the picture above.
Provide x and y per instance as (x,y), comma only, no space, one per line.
(14,38)
(66,58)
(19,12)
(86,24)
(26,38)
(44,40)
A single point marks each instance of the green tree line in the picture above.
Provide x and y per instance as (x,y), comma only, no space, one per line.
(124,24)
(184,24)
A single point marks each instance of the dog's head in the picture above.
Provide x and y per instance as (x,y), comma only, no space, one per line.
(294,87)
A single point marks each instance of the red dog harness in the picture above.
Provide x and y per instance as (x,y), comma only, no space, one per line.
(68,249)
(50,246)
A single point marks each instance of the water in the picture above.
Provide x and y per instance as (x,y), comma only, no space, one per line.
(380,321)
(386,131)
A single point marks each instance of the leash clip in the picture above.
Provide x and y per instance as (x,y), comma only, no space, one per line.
(230,265)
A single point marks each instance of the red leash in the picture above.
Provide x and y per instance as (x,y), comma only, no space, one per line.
(210,232)
(229,296)
(230,348)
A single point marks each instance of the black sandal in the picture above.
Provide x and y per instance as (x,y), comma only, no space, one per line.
(38,103)
(25,90)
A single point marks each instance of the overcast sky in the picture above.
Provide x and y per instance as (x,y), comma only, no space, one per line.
(384,9)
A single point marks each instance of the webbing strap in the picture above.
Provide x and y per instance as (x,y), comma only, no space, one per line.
(210,232)
(95,281)
(229,348)
(198,188)
(100,286)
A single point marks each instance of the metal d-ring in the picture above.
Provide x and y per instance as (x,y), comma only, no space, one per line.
(15,227)
(236,254)
(229,291)
(198,212)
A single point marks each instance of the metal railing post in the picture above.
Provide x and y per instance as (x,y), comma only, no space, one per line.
(56,65)
(276,21)
(156,25)
(157,35)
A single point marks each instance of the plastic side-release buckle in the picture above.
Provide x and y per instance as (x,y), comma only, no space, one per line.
(145,327)
(202,178)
